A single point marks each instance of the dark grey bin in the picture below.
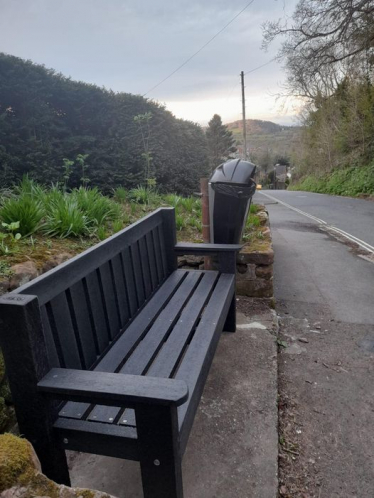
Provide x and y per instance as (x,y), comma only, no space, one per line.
(231,188)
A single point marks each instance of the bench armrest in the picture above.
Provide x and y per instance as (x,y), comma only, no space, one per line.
(206,249)
(226,253)
(112,389)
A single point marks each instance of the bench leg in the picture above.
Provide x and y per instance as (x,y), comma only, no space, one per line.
(53,460)
(160,457)
(26,359)
(230,323)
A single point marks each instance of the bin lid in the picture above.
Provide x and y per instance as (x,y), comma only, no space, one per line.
(234,171)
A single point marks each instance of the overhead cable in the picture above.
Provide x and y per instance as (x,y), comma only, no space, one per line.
(198,51)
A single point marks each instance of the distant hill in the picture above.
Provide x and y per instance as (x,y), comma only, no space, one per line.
(265,138)
(257,126)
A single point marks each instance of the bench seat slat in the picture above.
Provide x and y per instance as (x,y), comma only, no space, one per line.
(142,356)
(113,358)
(195,365)
(148,347)
(170,353)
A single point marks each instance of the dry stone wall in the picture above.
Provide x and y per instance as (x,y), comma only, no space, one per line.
(254,275)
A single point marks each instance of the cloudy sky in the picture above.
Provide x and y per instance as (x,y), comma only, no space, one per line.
(131,45)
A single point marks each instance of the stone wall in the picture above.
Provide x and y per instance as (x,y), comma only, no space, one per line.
(254,276)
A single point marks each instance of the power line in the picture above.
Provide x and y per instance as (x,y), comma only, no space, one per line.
(262,65)
(200,49)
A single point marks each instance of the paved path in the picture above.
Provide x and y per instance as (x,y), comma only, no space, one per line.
(325,299)
(232,451)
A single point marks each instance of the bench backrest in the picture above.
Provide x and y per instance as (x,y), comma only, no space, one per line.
(87,301)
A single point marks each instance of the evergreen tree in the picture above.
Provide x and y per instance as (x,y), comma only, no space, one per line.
(221,143)
(47,119)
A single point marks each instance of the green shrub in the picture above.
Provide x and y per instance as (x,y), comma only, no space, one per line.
(188,203)
(350,181)
(172,200)
(65,219)
(195,222)
(97,208)
(30,187)
(26,210)
(139,195)
(253,208)
(180,222)
(253,221)
(120,194)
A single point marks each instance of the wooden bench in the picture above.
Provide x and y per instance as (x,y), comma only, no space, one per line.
(109,352)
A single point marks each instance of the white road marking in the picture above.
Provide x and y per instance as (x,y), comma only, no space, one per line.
(341,232)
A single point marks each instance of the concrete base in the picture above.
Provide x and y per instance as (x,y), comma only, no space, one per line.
(233,447)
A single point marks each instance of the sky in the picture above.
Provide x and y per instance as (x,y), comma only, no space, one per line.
(131,45)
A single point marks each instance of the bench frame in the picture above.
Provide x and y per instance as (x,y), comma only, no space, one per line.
(36,388)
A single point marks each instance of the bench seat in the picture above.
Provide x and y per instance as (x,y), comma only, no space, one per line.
(174,336)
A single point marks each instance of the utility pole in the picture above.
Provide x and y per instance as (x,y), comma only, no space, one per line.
(244,122)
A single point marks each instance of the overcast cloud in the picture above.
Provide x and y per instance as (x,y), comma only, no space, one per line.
(131,45)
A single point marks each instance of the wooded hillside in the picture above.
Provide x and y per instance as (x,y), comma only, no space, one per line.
(46,118)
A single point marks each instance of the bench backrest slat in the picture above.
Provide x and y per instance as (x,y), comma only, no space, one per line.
(88,300)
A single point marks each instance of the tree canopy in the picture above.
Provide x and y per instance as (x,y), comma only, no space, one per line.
(221,143)
(324,42)
(47,119)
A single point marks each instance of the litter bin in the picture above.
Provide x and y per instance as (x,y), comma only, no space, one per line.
(231,188)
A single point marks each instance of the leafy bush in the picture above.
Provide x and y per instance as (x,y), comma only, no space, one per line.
(97,208)
(172,199)
(188,204)
(253,208)
(253,221)
(348,181)
(120,194)
(25,209)
(139,195)
(180,222)
(29,187)
(66,219)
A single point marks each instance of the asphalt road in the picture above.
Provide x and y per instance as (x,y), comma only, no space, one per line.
(311,266)
(324,290)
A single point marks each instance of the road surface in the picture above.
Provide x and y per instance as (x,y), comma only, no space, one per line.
(324,289)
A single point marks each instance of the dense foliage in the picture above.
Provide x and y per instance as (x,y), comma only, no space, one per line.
(328,50)
(339,131)
(221,143)
(59,130)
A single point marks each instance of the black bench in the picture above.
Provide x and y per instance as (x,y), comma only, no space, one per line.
(125,340)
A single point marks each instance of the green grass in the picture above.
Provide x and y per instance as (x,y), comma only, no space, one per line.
(25,209)
(351,181)
(66,219)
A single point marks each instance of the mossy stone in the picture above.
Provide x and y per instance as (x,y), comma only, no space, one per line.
(15,460)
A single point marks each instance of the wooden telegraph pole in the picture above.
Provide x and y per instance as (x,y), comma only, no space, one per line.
(244,121)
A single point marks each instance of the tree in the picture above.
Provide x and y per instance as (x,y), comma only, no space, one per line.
(49,122)
(325,41)
(221,143)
